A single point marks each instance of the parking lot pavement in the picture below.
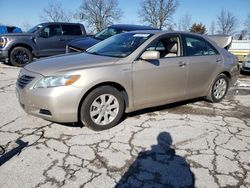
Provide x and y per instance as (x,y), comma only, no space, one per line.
(184,144)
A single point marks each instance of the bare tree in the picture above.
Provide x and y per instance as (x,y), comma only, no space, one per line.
(54,12)
(247,23)
(212,28)
(157,12)
(185,22)
(226,22)
(99,13)
(243,34)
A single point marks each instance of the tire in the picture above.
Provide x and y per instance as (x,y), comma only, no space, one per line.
(107,106)
(20,56)
(219,89)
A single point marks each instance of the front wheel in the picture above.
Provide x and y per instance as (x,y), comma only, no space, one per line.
(218,89)
(102,108)
(20,56)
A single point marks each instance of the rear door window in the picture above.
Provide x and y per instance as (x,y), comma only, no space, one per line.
(198,47)
(71,30)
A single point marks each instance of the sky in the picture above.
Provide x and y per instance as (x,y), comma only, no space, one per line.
(21,12)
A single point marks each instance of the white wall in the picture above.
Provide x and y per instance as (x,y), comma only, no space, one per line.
(240,45)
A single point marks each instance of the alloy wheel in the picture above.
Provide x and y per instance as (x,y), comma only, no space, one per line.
(220,88)
(104,109)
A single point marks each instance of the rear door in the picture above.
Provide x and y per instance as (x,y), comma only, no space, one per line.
(50,40)
(204,65)
(71,32)
(158,81)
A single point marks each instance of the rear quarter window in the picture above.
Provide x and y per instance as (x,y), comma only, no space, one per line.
(71,30)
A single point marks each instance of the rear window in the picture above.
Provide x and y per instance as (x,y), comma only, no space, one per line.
(108,32)
(71,30)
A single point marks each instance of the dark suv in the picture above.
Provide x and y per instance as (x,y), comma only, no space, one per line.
(42,40)
(80,45)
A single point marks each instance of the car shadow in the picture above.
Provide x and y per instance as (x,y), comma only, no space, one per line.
(158,167)
(244,73)
(141,112)
(75,124)
(170,106)
(162,107)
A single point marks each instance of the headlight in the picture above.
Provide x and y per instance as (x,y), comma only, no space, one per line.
(3,41)
(55,81)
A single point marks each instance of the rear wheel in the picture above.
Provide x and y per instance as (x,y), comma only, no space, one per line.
(102,108)
(20,56)
(219,88)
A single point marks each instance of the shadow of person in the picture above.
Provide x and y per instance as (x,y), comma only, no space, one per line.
(16,151)
(158,167)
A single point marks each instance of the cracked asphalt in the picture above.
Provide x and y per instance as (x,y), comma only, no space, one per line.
(188,144)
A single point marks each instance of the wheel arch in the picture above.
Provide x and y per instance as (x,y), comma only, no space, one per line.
(119,87)
(21,45)
(227,74)
(222,72)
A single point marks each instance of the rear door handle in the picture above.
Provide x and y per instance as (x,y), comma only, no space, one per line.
(61,39)
(182,64)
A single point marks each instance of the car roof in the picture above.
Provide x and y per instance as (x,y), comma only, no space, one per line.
(161,32)
(68,23)
(131,27)
(167,32)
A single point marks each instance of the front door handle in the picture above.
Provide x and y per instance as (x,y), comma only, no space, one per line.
(61,39)
(218,60)
(182,64)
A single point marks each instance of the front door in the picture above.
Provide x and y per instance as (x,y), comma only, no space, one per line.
(51,42)
(162,80)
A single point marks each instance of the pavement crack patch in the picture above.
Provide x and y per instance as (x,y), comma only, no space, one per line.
(90,180)
(52,180)
(12,121)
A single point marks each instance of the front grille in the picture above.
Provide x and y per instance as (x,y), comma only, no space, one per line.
(24,80)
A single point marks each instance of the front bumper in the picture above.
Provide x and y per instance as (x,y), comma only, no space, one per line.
(245,69)
(245,66)
(58,104)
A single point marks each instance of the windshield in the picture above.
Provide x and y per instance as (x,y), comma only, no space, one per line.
(34,29)
(108,32)
(119,45)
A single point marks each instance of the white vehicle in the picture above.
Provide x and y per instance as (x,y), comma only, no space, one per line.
(246,64)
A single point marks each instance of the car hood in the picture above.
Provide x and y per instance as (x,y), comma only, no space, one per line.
(83,43)
(68,62)
(17,34)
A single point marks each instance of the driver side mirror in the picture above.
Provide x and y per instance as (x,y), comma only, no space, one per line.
(150,55)
(43,34)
